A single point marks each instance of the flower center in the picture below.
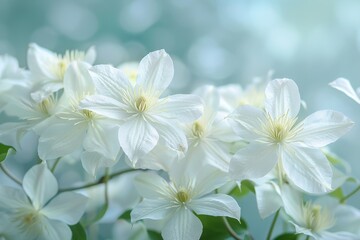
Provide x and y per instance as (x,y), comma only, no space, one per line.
(64,61)
(87,114)
(197,129)
(316,217)
(46,106)
(141,104)
(280,129)
(182,196)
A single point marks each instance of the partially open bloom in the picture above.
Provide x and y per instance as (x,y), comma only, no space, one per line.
(36,212)
(322,220)
(275,136)
(175,201)
(141,114)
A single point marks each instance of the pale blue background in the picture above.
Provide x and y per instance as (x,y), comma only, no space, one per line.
(213,42)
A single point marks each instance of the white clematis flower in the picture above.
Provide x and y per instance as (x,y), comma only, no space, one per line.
(344,86)
(73,129)
(274,136)
(210,136)
(49,68)
(323,219)
(36,212)
(176,200)
(143,117)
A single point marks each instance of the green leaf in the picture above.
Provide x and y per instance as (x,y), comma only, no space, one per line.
(126,216)
(214,227)
(249,185)
(154,235)
(337,193)
(78,232)
(4,151)
(287,236)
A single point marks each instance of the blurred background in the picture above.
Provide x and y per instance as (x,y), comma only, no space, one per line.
(212,42)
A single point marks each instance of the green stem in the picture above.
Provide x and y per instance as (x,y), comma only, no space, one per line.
(230,229)
(272,225)
(307,237)
(350,194)
(55,165)
(102,180)
(10,175)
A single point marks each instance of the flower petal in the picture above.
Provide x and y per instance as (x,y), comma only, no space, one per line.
(282,97)
(268,199)
(137,137)
(77,81)
(155,209)
(247,121)
(216,205)
(90,55)
(109,81)
(344,86)
(56,141)
(323,127)
(55,230)
(40,185)
(183,107)
(105,106)
(12,198)
(67,207)
(308,169)
(155,71)
(182,225)
(151,185)
(253,161)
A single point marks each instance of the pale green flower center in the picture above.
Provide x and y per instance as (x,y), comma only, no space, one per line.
(182,196)
(280,129)
(316,217)
(141,104)
(46,106)
(88,114)
(197,129)
(27,220)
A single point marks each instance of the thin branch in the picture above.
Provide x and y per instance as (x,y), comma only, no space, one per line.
(272,225)
(102,180)
(10,175)
(230,229)
(350,194)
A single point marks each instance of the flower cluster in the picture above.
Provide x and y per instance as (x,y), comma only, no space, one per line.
(166,160)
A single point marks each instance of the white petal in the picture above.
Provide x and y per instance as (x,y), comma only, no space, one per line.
(77,81)
(40,185)
(105,106)
(344,86)
(155,209)
(182,225)
(292,203)
(90,55)
(56,141)
(91,161)
(151,185)
(67,207)
(253,161)
(42,92)
(216,205)
(12,198)
(109,81)
(216,153)
(268,199)
(338,236)
(347,219)
(41,61)
(323,127)
(155,71)
(183,107)
(308,169)
(282,97)
(247,121)
(55,230)
(137,138)
(172,135)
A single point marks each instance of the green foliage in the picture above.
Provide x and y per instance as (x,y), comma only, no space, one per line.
(215,229)
(78,232)
(126,216)
(287,236)
(154,235)
(4,150)
(337,193)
